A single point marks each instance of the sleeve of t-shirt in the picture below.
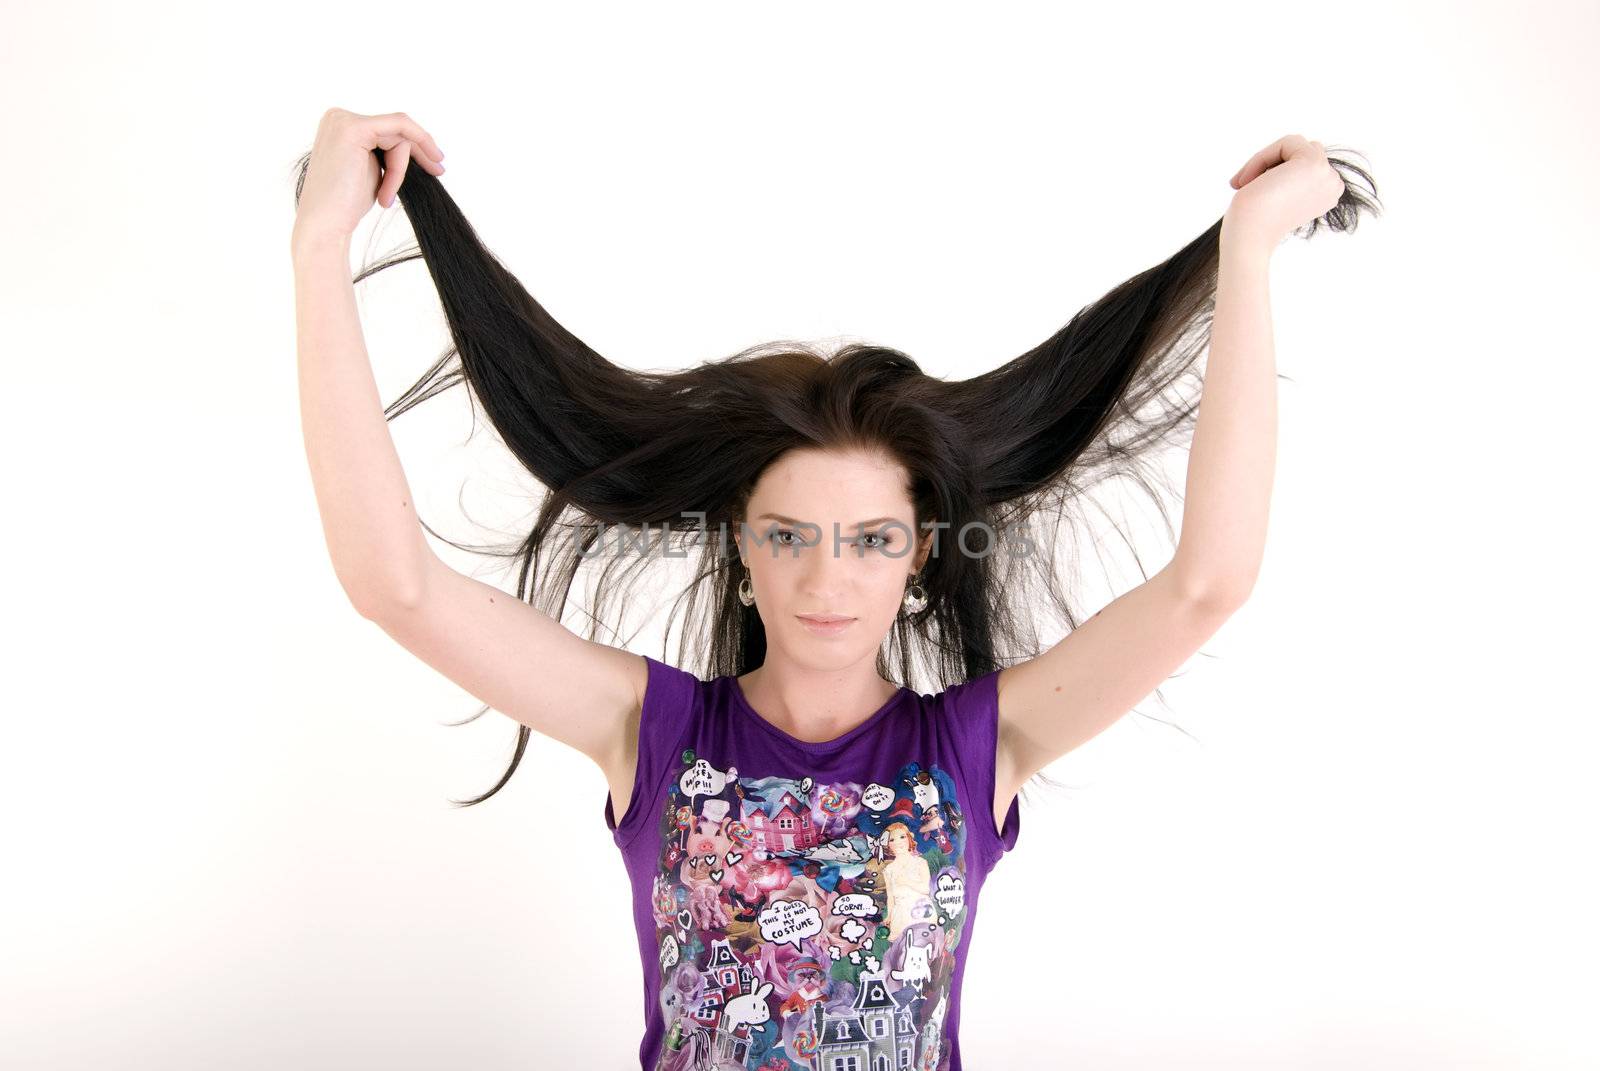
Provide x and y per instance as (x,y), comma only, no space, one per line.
(971,712)
(665,722)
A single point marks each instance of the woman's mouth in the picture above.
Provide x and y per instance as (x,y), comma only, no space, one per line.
(825,624)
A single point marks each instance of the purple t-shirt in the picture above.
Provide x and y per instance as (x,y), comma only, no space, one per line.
(807,905)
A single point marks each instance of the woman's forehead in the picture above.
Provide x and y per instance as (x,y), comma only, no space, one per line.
(827,490)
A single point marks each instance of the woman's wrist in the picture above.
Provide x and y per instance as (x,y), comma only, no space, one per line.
(1239,243)
(307,241)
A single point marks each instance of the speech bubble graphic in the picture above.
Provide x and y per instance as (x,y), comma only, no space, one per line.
(856,905)
(950,893)
(703,779)
(669,952)
(789,921)
(876,797)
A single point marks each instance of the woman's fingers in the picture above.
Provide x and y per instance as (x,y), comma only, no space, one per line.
(394,172)
(402,139)
(1270,157)
(399,124)
(390,132)
(1249,170)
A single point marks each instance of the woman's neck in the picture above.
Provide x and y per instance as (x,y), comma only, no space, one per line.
(812,706)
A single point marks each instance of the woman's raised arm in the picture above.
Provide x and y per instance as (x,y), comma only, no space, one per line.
(372,531)
(505,652)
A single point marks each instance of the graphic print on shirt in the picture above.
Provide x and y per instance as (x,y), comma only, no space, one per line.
(805,926)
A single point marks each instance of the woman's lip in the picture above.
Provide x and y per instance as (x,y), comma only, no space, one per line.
(825,628)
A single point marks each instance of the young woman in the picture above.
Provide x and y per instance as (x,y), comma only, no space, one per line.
(806,834)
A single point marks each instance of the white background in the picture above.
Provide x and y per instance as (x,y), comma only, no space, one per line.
(227,840)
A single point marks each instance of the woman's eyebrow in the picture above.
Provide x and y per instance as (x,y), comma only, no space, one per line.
(790,520)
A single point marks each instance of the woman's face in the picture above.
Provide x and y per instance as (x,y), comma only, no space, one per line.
(808,552)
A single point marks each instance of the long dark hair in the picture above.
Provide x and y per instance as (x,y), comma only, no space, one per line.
(676,454)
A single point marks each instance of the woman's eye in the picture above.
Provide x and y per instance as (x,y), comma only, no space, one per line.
(788,537)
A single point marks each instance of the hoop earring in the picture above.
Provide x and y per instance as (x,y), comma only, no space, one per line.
(747,590)
(915,599)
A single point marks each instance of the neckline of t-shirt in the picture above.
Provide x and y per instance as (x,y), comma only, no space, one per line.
(743,705)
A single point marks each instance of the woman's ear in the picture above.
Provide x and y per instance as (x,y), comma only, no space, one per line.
(924,548)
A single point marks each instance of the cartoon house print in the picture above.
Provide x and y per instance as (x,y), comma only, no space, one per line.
(726,978)
(781,821)
(877,1033)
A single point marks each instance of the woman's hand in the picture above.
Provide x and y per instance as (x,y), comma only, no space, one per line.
(1284,186)
(343,176)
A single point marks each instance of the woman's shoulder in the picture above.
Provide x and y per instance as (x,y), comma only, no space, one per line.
(963,694)
(669,688)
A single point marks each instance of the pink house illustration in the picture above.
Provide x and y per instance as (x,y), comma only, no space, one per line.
(780,823)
